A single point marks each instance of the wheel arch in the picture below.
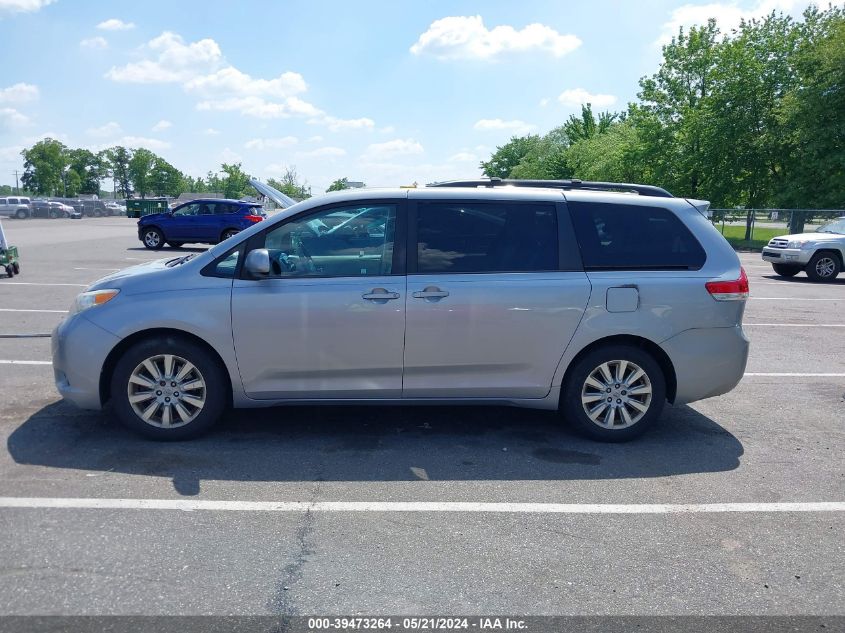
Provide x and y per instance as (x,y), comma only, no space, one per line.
(119,349)
(833,250)
(657,352)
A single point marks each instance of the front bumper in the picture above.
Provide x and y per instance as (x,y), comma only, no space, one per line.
(787,256)
(80,349)
(708,361)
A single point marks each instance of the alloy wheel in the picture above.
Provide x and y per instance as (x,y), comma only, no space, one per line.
(152,239)
(616,394)
(825,267)
(166,391)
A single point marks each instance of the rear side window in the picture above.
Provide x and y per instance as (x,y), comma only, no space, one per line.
(470,237)
(633,237)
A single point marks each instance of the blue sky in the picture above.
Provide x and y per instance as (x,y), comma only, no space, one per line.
(385,92)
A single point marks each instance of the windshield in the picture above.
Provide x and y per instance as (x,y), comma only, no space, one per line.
(834,227)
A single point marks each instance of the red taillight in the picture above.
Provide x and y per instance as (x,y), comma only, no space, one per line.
(253,218)
(735,290)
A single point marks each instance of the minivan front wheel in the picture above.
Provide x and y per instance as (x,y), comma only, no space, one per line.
(153,239)
(167,388)
(614,393)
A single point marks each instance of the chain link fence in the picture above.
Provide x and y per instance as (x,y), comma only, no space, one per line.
(755,227)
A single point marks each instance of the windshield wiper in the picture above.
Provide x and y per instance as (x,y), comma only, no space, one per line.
(180,260)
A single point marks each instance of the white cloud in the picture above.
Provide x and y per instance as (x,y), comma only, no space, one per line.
(23,6)
(175,61)
(162,125)
(229,156)
(11,118)
(324,152)
(544,102)
(95,43)
(260,107)
(515,127)
(575,97)
(19,93)
(154,144)
(335,124)
(230,80)
(210,131)
(113,24)
(109,129)
(389,149)
(466,37)
(728,15)
(314,139)
(463,157)
(271,143)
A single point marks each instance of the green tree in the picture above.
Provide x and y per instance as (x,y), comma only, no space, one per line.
(338,185)
(44,167)
(290,185)
(609,156)
(236,181)
(90,169)
(117,159)
(509,155)
(140,171)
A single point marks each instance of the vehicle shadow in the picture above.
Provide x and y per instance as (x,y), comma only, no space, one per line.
(375,444)
(839,281)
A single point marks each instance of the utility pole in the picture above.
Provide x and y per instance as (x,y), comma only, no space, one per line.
(17,189)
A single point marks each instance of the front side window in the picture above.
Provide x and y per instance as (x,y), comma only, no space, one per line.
(354,241)
(634,237)
(187,210)
(469,237)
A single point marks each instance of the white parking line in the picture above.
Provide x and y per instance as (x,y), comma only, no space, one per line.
(26,362)
(414,506)
(33,283)
(792,375)
(108,269)
(791,299)
(29,310)
(795,324)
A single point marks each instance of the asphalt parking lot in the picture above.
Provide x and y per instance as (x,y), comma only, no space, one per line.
(778,438)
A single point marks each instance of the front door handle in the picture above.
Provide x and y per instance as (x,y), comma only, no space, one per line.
(431,292)
(379,294)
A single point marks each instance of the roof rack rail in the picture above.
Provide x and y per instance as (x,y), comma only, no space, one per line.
(643,190)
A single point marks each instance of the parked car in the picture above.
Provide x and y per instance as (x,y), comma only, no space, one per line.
(569,297)
(15,207)
(820,254)
(114,208)
(50,209)
(206,221)
(95,208)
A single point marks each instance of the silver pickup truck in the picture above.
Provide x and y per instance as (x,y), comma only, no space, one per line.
(820,254)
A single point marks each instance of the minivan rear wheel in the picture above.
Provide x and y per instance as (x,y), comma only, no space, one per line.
(168,388)
(614,393)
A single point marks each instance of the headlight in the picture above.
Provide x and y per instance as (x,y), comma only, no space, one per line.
(92,299)
(797,243)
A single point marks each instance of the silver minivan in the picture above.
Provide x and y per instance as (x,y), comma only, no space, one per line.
(601,301)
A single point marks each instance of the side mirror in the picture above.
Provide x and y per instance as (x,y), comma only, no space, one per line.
(257,262)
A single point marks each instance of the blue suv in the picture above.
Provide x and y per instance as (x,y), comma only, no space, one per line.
(208,221)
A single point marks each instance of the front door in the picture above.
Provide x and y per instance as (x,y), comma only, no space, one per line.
(329,320)
(182,224)
(493,300)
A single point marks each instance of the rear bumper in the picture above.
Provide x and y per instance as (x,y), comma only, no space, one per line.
(80,349)
(708,361)
(786,256)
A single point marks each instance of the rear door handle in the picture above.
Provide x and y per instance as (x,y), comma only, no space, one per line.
(431,292)
(379,294)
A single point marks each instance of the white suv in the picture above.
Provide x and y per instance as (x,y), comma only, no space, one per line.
(16,207)
(820,254)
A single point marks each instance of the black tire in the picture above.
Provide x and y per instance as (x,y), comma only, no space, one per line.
(98,213)
(786,270)
(175,244)
(54,215)
(574,411)
(9,272)
(209,368)
(21,214)
(16,268)
(823,266)
(228,233)
(153,238)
